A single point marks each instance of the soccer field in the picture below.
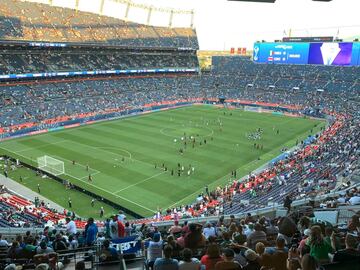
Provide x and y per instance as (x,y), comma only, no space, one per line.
(121,154)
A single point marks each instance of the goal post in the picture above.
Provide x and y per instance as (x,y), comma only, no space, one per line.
(51,165)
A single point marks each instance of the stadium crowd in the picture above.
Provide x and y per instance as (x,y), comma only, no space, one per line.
(296,241)
(27,21)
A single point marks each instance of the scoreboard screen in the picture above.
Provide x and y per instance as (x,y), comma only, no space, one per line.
(318,53)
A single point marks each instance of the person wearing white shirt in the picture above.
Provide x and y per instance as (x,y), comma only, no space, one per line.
(3,242)
(121,216)
(354,200)
(209,231)
(70,226)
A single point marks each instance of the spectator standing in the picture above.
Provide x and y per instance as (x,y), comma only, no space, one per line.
(70,226)
(91,231)
(256,236)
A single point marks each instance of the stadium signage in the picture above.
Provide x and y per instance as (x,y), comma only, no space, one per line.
(96,72)
(317,53)
(47,44)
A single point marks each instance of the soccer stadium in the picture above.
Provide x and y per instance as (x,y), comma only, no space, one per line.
(179,134)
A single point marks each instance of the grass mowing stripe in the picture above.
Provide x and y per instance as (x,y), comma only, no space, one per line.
(103,144)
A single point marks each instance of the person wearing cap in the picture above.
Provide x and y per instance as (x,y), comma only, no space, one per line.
(350,253)
(302,243)
(252,260)
(228,262)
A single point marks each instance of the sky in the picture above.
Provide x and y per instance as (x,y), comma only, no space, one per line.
(221,24)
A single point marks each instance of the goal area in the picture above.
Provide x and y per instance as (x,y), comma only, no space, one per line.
(51,165)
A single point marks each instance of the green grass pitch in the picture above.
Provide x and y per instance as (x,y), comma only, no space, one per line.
(122,155)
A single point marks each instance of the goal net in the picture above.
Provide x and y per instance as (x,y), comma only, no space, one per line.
(51,165)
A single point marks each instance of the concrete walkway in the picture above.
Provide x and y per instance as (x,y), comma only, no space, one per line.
(26,192)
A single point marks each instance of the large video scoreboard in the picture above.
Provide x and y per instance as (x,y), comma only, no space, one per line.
(317,53)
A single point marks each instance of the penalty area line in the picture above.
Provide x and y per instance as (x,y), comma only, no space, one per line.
(121,197)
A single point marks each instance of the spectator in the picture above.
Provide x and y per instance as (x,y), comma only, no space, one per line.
(166,263)
(70,226)
(43,248)
(117,228)
(154,249)
(188,262)
(91,231)
(228,262)
(257,236)
(3,242)
(175,229)
(14,251)
(209,230)
(108,254)
(319,248)
(176,248)
(350,253)
(252,261)
(308,262)
(59,244)
(211,257)
(194,238)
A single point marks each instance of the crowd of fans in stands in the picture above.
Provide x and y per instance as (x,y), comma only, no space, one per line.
(291,242)
(40,22)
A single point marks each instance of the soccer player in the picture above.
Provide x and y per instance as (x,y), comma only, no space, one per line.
(69,202)
(102,211)
(87,167)
(92,202)
(38,187)
(90,178)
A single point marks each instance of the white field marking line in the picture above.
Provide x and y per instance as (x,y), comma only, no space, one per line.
(76,164)
(95,173)
(144,207)
(29,158)
(104,150)
(217,180)
(41,146)
(119,148)
(142,181)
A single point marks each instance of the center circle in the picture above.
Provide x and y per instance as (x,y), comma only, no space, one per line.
(179,131)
